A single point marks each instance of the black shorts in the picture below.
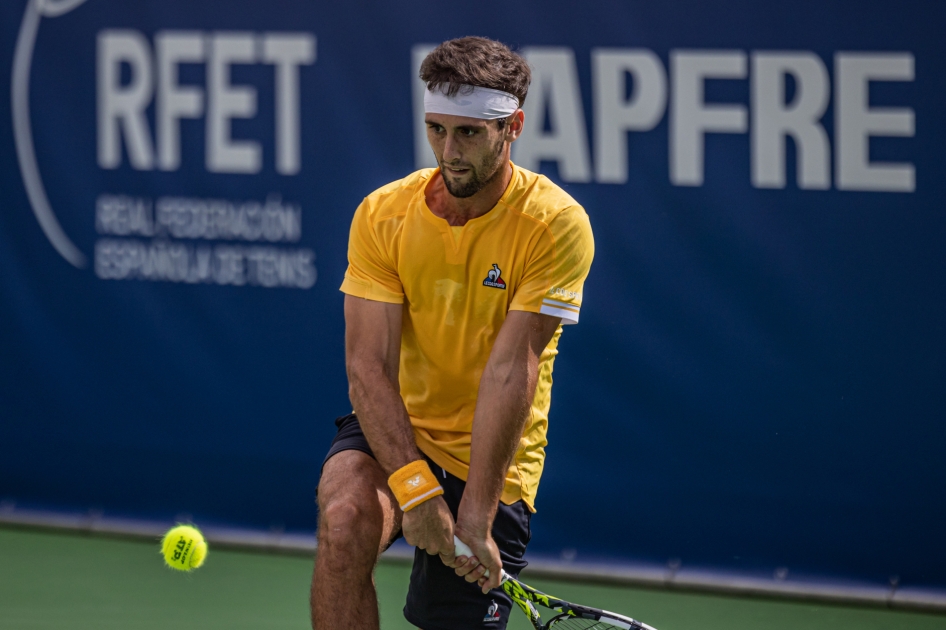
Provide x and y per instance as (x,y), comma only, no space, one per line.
(438,599)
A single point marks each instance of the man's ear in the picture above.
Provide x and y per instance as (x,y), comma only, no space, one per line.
(514,125)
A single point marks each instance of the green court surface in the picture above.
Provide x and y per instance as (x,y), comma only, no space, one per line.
(50,580)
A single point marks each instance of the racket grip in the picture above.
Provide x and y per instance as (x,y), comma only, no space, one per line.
(462,549)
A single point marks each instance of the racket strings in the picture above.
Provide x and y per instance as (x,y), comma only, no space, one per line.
(576,623)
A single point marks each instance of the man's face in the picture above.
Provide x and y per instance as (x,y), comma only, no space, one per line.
(471,152)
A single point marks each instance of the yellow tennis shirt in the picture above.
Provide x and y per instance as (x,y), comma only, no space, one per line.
(531,252)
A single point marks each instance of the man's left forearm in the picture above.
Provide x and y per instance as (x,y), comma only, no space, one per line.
(503,405)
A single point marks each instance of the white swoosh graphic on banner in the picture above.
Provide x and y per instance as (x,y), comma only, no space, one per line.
(55,8)
(22,129)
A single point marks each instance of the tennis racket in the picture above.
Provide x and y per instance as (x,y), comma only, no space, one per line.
(567,616)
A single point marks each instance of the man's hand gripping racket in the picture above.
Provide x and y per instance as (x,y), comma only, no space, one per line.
(568,616)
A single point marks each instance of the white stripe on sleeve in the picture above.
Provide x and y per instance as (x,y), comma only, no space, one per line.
(552,302)
(568,317)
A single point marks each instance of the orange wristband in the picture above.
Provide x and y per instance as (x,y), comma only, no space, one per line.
(413,484)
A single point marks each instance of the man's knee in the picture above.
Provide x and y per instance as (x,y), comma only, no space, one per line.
(354,509)
(349,534)
(352,517)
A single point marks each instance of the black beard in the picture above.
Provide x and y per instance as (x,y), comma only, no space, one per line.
(476,183)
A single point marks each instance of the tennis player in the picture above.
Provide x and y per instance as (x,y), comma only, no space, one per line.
(459,279)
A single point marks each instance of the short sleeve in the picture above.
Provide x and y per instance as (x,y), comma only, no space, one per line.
(555,274)
(372,273)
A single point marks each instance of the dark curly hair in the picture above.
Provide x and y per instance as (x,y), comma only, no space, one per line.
(476,61)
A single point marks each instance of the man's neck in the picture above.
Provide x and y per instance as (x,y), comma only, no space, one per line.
(457,211)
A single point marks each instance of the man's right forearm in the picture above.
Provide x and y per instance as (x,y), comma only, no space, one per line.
(382,415)
(372,353)
(427,524)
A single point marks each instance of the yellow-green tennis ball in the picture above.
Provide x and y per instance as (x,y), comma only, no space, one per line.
(184,548)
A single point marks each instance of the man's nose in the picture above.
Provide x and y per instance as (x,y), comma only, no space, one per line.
(451,149)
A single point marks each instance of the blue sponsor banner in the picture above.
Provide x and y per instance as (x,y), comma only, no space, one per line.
(758,377)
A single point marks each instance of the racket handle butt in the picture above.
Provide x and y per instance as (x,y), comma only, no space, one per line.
(462,549)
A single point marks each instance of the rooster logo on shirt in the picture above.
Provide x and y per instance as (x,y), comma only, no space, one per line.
(494,278)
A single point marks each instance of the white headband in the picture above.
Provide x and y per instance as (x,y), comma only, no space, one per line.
(470,101)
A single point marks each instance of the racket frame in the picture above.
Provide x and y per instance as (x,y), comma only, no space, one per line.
(527,597)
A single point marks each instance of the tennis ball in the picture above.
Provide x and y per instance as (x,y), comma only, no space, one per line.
(184,548)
